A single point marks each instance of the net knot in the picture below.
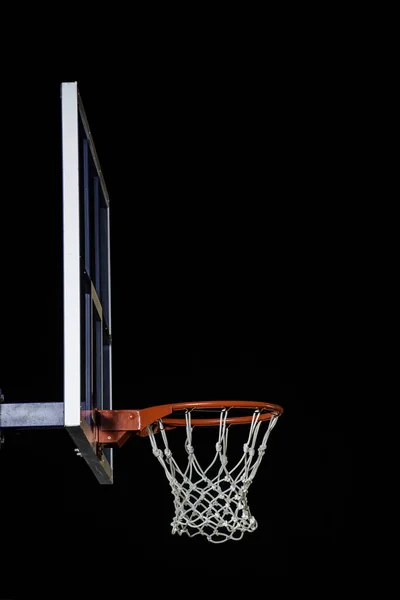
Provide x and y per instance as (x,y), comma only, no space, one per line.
(189,449)
(248,450)
(224,461)
(168,453)
(218,447)
(157,452)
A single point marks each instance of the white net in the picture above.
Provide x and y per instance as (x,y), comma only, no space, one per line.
(213,502)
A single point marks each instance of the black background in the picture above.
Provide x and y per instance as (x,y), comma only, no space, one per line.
(219,291)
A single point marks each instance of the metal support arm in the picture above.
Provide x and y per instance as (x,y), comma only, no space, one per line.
(32,414)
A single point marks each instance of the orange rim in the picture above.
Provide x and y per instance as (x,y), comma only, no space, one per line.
(267,412)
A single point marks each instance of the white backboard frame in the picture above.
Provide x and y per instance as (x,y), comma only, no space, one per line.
(80,426)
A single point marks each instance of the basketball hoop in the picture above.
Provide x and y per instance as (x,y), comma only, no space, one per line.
(209,501)
(212,501)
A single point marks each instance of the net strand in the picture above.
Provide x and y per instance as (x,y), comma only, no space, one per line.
(213,506)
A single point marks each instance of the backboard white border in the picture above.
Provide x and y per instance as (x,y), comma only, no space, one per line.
(71,280)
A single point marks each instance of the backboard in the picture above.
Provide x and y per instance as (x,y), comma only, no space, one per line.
(87,284)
